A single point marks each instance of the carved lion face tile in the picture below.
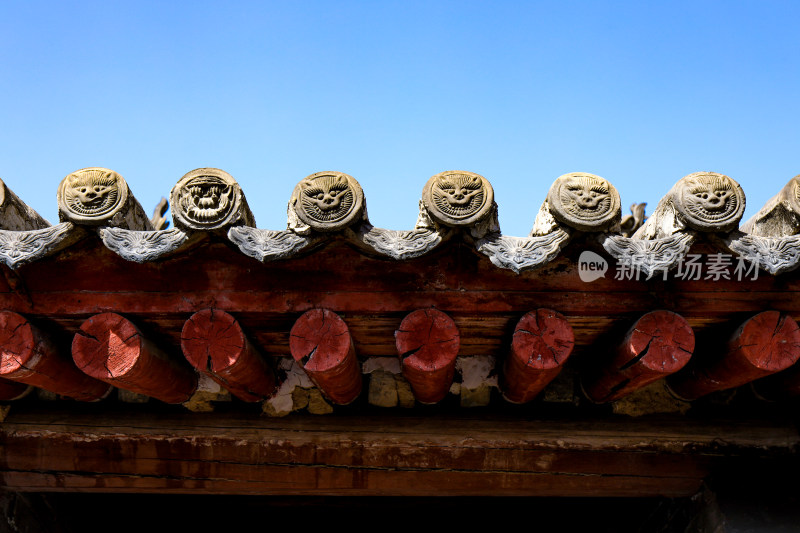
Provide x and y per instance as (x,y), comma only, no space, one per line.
(709,201)
(458,198)
(206,198)
(92,195)
(328,201)
(584,201)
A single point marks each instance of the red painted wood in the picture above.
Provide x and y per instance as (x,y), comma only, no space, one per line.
(542,342)
(214,343)
(427,343)
(411,455)
(320,342)
(659,344)
(765,344)
(12,390)
(111,348)
(29,356)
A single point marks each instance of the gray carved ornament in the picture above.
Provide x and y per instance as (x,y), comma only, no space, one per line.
(91,195)
(650,256)
(584,202)
(268,245)
(704,201)
(710,202)
(18,248)
(770,238)
(400,245)
(326,202)
(457,198)
(142,246)
(523,253)
(776,255)
(209,199)
(98,196)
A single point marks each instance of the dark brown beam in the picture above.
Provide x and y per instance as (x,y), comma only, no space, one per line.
(496,456)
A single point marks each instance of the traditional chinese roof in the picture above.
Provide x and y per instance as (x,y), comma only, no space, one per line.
(332,314)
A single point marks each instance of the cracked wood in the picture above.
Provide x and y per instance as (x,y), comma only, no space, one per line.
(30,356)
(214,343)
(765,344)
(542,342)
(659,344)
(111,348)
(320,342)
(427,344)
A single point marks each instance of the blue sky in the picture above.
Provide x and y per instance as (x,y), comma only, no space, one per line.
(641,93)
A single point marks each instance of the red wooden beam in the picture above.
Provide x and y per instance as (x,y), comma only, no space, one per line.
(542,342)
(659,344)
(111,348)
(214,343)
(12,390)
(427,343)
(765,344)
(29,356)
(320,342)
(375,456)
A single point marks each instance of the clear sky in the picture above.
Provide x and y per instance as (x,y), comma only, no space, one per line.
(641,93)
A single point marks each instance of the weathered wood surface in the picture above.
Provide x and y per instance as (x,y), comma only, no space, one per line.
(12,390)
(765,344)
(320,342)
(427,344)
(542,342)
(214,343)
(111,348)
(372,295)
(233,454)
(659,344)
(28,355)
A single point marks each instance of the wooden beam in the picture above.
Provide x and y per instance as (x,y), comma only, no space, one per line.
(31,357)
(214,343)
(427,344)
(357,455)
(320,342)
(12,390)
(765,344)
(659,344)
(485,302)
(111,348)
(542,342)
